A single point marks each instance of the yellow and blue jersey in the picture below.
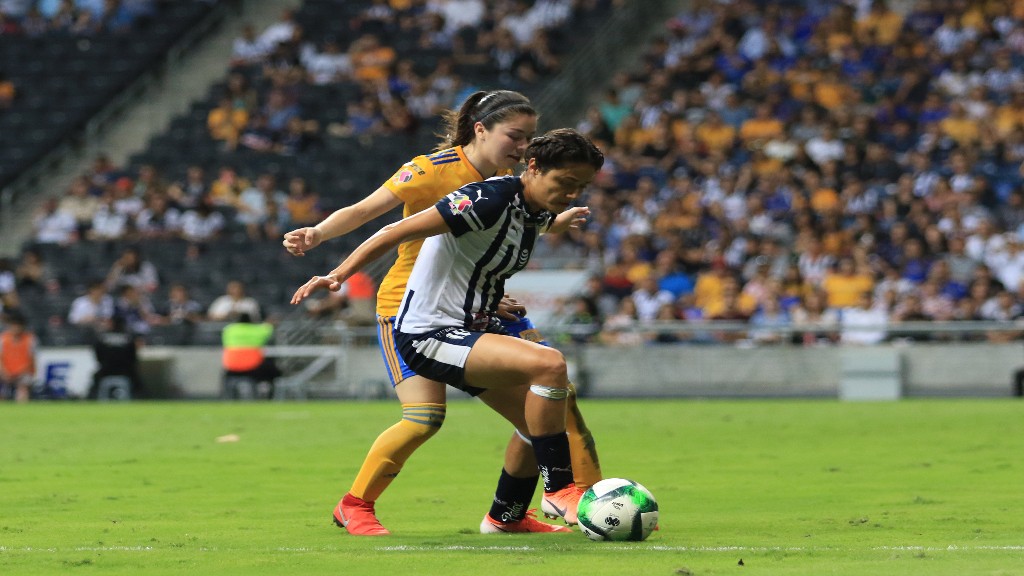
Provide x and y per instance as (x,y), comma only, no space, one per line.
(420,183)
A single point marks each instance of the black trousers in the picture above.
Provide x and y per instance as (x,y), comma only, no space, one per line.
(267,372)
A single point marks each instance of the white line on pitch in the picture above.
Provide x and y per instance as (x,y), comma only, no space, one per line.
(950,548)
(460,548)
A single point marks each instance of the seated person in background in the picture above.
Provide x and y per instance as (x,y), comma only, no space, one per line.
(770,323)
(188,192)
(730,311)
(866,323)
(230,306)
(17,357)
(92,308)
(226,122)
(116,349)
(202,223)
(301,204)
(131,270)
(243,355)
(180,307)
(136,309)
(619,328)
(51,225)
(80,204)
(33,273)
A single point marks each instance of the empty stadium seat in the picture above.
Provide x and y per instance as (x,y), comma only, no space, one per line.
(61,72)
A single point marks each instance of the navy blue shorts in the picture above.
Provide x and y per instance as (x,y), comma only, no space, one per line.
(440,355)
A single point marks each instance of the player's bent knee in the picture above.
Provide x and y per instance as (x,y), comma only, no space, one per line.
(550,368)
(423,419)
(419,431)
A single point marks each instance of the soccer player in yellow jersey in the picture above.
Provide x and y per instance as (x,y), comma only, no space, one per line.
(485,137)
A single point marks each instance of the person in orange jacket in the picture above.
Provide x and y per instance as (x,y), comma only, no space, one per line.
(17,358)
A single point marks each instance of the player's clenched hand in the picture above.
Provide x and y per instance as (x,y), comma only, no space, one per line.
(315,283)
(572,218)
(302,239)
(510,309)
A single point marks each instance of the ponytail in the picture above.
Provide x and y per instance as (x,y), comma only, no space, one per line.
(489,108)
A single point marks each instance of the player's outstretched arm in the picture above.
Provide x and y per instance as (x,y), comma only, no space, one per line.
(340,222)
(416,227)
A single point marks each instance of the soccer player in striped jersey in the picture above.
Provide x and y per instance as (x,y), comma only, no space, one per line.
(475,239)
(485,137)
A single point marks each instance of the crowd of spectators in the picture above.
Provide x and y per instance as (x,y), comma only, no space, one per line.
(113,204)
(260,110)
(261,107)
(132,290)
(109,206)
(815,170)
(812,171)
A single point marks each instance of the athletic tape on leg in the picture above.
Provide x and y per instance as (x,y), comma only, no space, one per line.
(549,392)
(524,437)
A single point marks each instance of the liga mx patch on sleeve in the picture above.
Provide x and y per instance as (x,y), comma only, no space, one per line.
(403,176)
(459,203)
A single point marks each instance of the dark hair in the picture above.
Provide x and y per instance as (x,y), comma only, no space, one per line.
(489,108)
(561,147)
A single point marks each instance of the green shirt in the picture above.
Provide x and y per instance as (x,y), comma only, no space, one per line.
(246,335)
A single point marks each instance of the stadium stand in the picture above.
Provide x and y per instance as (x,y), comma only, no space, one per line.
(798,166)
(64,66)
(284,121)
(768,156)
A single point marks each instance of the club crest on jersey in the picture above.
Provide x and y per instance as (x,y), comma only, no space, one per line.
(403,176)
(459,203)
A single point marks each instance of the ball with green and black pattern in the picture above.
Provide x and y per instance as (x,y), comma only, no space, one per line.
(618,509)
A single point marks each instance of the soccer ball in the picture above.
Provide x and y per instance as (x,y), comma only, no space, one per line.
(617,509)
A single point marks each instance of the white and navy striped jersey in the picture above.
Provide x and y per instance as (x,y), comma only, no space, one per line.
(459,277)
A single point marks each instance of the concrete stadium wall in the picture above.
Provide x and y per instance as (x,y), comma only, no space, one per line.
(880,372)
(925,370)
(707,371)
(196,373)
(962,370)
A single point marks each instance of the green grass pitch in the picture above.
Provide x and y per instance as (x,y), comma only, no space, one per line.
(925,487)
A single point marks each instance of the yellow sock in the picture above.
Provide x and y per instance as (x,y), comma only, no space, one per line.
(586,468)
(394,446)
